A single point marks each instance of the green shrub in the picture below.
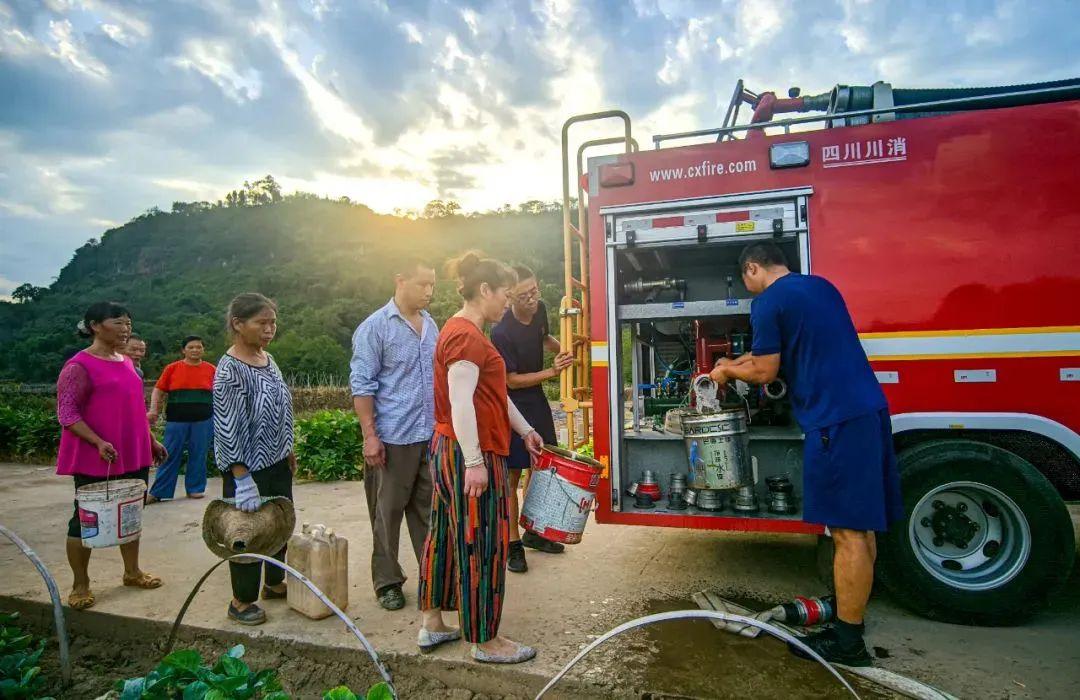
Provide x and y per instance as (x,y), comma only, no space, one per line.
(20,674)
(28,428)
(182,674)
(379,691)
(329,446)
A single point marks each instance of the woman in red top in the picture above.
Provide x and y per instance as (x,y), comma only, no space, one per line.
(464,562)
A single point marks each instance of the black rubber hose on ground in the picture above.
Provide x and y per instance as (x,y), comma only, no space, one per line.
(54,593)
(302,579)
(696,615)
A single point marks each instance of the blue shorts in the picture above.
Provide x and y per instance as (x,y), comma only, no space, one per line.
(540,418)
(850,477)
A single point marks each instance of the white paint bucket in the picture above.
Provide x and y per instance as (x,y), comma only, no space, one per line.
(561,493)
(110,512)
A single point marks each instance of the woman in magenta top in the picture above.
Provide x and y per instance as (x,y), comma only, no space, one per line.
(99,402)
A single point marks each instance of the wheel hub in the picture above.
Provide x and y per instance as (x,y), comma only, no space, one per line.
(969,535)
(951,524)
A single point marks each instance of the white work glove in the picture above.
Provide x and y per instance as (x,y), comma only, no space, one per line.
(247,494)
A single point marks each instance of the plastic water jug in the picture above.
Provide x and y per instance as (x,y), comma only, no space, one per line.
(323,557)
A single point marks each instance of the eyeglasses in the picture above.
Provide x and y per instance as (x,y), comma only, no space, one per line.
(529,296)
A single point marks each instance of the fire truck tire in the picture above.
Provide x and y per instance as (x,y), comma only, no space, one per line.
(985,540)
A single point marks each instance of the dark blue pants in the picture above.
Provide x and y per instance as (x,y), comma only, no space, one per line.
(196,438)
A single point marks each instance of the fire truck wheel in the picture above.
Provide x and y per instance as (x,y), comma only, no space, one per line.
(986,538)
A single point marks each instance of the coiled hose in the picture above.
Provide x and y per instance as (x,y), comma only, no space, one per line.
(54,593)
(696,615)
(302,579)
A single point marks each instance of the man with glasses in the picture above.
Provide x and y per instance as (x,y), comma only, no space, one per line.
(521,338)
(851,484)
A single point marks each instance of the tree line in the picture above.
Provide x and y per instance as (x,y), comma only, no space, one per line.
(327,262)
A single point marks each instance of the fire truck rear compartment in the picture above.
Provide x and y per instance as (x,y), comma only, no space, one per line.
(682,306)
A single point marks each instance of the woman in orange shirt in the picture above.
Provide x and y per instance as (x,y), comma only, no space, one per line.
(187,387)
(464,562)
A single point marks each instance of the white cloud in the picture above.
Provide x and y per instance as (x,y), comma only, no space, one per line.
(472,20)
(70,50)
(759,20)
(177,187)
(215,60)
(412,32)
(118,34)
(691,44)
(25,211)
(465,101)
(332,112)
(14,41)
(176,119)
(7,286)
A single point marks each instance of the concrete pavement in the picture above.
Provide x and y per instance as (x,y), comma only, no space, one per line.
(617,573)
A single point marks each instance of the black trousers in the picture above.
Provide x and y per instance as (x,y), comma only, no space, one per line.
(275,480)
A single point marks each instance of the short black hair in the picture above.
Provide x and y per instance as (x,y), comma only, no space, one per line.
(524,272)
(189,339)
(99,312)
(765,254)
(409,266)
(136,336)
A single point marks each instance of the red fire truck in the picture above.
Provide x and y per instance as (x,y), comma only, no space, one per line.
(949,219)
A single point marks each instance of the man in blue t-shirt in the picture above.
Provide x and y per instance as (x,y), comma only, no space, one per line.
(802,329)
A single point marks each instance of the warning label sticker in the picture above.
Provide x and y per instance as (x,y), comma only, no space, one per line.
(129,520)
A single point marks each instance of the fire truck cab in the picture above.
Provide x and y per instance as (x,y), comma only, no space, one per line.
(949,221)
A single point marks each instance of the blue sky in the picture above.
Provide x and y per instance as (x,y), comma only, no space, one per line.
(110,107)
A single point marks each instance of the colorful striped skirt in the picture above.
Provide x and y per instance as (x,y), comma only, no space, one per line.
(463,566)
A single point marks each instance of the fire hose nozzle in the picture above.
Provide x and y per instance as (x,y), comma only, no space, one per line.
(775,390)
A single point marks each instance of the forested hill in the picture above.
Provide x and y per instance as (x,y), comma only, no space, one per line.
(327,263)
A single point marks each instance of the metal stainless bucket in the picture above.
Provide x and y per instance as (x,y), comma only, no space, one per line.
(718,449)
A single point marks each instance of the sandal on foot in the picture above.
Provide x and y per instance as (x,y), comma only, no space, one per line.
(81,601)
(196,495)
(143,580)
(150,500)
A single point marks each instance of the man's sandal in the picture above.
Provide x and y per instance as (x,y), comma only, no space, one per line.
(143,580)
(81,601)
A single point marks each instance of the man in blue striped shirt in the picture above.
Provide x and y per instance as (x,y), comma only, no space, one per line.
(393,395)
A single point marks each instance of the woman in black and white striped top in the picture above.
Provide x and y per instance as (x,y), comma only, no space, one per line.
(253,438)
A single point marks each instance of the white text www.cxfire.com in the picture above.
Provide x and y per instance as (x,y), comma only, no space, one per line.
(703,169)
